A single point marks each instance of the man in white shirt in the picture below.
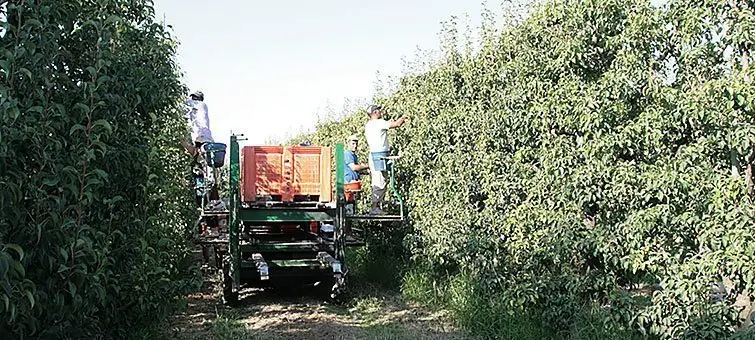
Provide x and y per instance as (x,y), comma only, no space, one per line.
(196,114)
(199,122)
(376,133)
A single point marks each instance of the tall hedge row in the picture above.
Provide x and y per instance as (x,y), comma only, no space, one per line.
(93,200)
(590,164)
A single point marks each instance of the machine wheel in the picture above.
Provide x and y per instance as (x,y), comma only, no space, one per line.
(230,297)
(332,289)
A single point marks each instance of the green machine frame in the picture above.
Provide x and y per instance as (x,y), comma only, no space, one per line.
(261,257)
(253,252)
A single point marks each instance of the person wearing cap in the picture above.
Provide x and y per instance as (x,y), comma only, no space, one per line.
(352,161)
(196,114)
(376,133)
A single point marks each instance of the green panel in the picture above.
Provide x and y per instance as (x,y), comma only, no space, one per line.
(283,215)
(339,170)
(283,247)
(340,222)
(233,189)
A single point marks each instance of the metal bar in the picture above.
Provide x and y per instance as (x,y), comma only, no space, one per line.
(340,172)
(387,218)
(328,260)
(340,221)
(281,204)
(233,189)
(393,188)
(284,215)
(217,240)
(339,234)
(296,263)
(215,213)
(301,263)
(285,247)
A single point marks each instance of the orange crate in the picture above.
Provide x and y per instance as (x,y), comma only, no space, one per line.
(286,173)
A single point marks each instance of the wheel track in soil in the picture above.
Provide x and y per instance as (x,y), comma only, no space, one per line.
(297,315)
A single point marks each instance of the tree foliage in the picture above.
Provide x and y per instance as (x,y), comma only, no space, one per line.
(594,157)
(93,191)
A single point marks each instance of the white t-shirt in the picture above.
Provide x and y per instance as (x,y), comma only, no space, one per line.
(199,121)
(376,133)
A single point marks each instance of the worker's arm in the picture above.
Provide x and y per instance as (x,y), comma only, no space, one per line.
(189,148)
(357,167)
(396,123)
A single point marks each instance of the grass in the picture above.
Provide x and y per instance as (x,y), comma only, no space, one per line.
(488,316)
(388,332)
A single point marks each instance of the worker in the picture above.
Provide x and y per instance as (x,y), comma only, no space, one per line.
(199,122)
(376,133)
(351,160)
(196,113)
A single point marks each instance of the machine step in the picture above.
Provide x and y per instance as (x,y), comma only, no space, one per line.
(285,247)
(375,217)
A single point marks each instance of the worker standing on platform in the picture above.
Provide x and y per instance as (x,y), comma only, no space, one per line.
(198,119)
(197,116)
(376,132)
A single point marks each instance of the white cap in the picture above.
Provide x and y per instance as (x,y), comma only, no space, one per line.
(351,138)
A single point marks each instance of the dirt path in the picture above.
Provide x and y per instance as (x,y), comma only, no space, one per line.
(270,315)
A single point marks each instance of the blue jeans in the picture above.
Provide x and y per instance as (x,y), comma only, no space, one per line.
(380,164)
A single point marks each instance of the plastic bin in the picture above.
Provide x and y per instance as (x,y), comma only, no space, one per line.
(217,152)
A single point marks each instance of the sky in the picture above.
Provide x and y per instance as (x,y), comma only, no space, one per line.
(268,67)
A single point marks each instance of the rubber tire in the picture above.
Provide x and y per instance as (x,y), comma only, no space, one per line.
(325,291)
(230,298)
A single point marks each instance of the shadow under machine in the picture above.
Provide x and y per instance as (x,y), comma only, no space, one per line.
(286,220)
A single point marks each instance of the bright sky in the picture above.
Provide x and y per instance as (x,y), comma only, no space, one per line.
(267,67)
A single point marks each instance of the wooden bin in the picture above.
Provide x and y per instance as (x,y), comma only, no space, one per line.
(286,174)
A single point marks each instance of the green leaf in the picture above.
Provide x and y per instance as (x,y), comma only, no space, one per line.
(4,267)
(112,19)
(5,66)
(82,107)
(13,112)
(75,128)
(741,99)
(51,182)
(17,249)
(19,268)
(37,109)
(102,79)
(103,123)
(32,22)
(30,296)
(25,71)
(72,288)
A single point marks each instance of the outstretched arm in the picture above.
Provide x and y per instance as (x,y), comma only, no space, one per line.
(189,148)
(396,123)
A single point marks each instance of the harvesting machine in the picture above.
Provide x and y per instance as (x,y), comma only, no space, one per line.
(285,223)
